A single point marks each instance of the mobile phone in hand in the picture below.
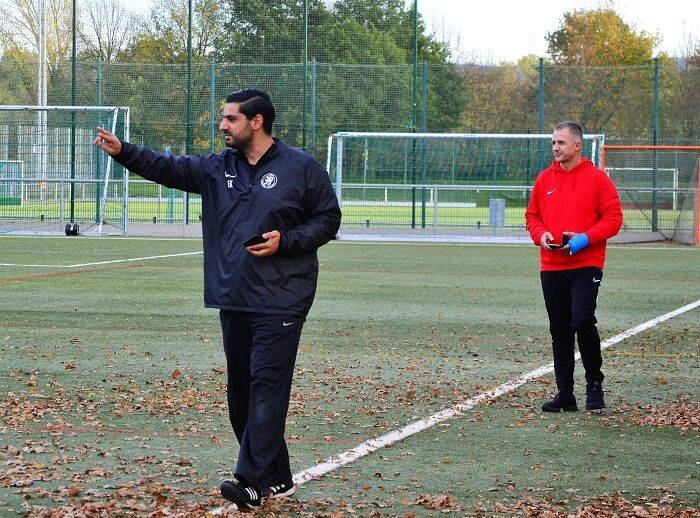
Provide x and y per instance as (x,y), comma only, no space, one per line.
(255,240)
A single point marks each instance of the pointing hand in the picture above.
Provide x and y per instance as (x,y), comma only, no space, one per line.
(107,141)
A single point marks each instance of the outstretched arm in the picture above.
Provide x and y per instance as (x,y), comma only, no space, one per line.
(181,172)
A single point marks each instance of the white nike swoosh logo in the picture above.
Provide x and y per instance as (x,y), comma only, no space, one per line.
(596,280)
(285,324)
(230,175)
(550,192)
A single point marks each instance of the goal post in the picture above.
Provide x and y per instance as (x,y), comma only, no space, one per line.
(439,180)
(658,188)
(65,178)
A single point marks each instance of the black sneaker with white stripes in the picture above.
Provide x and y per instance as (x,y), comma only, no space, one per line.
(284,489)
(245,497)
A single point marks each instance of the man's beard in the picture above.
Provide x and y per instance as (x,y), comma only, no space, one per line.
(238,142)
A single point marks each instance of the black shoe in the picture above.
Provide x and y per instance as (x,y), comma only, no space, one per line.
(245,497)
(594,396)
(564,401)
(285,489)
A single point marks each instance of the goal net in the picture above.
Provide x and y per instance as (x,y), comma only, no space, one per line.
(456,182)
(11,184)
(658,188)
(51,174)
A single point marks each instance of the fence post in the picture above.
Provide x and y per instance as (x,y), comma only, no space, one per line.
(170,218)
(188,102)
(540,96)
(414,111)
(655,158)
(61,209)
(339,169)
(435,191)
(539,165)
(424,147)
(305,75)
(314,79)
(212,106)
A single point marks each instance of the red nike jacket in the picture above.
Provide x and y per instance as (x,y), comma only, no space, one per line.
(581,200)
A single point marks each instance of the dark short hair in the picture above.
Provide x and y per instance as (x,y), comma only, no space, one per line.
(254,102)
(574,129)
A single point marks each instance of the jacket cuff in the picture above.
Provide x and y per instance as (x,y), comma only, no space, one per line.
(281,247)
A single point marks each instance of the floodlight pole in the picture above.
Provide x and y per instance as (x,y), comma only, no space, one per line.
(41,94)
(74,101)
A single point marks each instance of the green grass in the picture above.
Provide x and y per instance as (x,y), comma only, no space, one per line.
(113,392)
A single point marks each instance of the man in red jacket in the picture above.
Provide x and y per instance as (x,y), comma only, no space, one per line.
(574,209)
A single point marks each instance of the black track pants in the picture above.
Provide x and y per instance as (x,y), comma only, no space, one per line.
(570,297)
(260,356)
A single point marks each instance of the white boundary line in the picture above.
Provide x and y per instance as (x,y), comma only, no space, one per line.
(372,445)
(99,263)
(19,265)
(134,259)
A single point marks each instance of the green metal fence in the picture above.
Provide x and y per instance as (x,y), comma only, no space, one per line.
(644,104)
(648,104)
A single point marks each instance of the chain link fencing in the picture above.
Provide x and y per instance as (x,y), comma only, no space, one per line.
(656,103)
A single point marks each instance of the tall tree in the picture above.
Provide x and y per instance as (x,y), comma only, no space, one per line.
(17,77)
(163,39)
(598,37)
(502,98)
(395,19)
(107,30)
(19,30)
(598,93)
(266,31)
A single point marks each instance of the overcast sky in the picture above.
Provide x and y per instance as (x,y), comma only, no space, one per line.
(505,30)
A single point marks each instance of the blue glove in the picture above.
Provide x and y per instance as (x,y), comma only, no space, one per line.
(578,243)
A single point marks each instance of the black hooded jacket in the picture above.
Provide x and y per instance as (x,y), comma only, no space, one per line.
(287,190)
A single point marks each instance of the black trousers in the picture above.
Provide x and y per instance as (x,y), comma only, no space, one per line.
(570,297)
(260,352)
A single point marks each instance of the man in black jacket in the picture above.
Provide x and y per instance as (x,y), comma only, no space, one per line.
(266,209)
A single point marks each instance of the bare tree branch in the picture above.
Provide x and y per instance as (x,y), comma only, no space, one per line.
(108,28)
(19,28)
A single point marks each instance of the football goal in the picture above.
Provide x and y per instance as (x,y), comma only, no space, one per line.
(451,181)
(51,174)
(658,188)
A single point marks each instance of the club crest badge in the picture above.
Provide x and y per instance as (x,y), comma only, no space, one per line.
(269,180)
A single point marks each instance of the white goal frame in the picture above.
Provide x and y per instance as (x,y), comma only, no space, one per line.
(597,142)
(42,135)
